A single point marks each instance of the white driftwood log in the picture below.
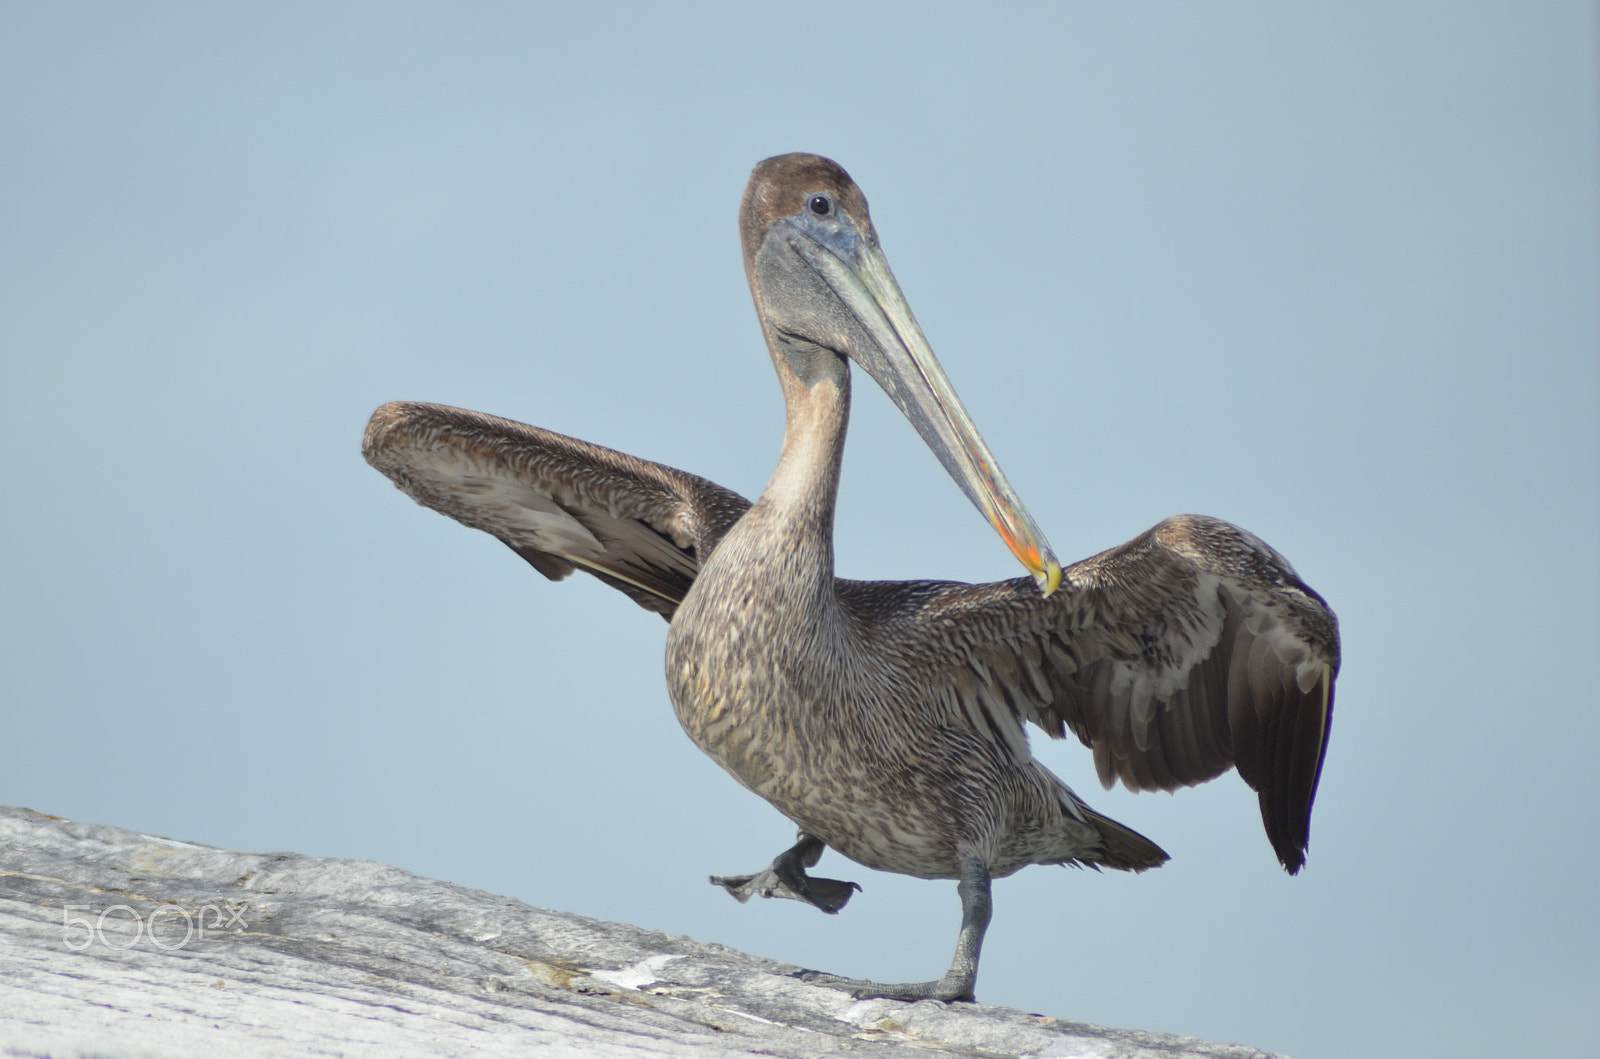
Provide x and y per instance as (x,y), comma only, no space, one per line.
(117,944)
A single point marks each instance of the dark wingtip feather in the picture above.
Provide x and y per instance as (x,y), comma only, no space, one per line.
(1286,799)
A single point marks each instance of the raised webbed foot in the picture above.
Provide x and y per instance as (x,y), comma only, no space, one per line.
(786,877)
(829,895)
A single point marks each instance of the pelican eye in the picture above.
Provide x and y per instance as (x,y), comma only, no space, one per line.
(820,204)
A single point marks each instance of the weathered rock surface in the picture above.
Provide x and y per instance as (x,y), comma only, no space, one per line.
(117,944)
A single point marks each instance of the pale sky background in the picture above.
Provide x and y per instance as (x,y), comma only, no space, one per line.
(1327,271)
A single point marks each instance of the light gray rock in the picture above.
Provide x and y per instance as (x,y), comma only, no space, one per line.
(117,944)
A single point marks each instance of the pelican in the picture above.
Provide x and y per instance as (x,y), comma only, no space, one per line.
(887,719)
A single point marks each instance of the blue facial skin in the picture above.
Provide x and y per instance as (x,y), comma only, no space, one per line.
(811,235)
(832,229)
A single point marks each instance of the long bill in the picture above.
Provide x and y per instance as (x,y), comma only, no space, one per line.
(900,360)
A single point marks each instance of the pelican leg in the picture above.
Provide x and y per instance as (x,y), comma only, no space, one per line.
(786,877)
(959,980)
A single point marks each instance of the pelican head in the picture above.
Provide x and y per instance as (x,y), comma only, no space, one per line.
(826,296)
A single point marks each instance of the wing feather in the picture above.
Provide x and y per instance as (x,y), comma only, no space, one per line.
(560,503)
(1193,648)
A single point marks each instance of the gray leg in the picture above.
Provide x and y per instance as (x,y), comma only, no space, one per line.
(786,877)
(959,980)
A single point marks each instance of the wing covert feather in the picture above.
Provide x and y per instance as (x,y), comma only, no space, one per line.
(560,503)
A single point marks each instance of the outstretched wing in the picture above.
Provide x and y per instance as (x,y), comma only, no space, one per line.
(1192,648)
(560,503)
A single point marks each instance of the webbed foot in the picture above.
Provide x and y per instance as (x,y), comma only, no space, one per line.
(829,895)
(958,982)
(948,988)
(786,877)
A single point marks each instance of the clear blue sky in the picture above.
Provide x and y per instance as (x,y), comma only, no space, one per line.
(1327,272)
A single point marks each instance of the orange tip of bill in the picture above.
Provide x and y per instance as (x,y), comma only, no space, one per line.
(1041,563)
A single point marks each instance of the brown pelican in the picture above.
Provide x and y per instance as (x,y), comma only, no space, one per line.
(886,719)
